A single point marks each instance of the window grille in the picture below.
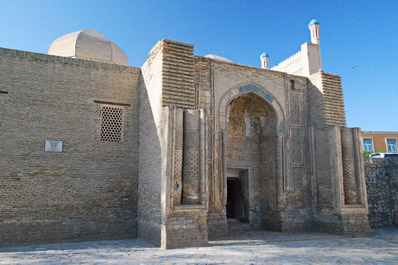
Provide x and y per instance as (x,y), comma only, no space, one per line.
(111,124)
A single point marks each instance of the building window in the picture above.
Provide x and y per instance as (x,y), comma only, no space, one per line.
(111,123)
(368,144)
(292,84)
(392,145)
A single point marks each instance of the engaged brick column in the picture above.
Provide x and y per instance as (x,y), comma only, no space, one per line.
(349,176)
(190,169)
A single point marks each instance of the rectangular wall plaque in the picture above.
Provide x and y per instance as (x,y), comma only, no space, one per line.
(53,146)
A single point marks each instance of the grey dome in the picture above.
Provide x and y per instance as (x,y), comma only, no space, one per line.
(88,45)
(218,58)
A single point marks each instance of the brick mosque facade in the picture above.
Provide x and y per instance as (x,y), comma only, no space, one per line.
(175,151)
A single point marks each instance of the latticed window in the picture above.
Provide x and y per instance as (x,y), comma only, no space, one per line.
(392,145)
(368,144)
(111,123)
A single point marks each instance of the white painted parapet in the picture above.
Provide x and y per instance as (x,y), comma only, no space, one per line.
(308,60)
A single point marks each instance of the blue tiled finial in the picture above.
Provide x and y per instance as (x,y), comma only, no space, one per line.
(314,21)
(264,54)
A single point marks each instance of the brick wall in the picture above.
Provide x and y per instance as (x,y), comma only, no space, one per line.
(89,190)
(150,164)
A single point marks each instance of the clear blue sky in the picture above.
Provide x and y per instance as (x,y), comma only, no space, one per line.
(359,39)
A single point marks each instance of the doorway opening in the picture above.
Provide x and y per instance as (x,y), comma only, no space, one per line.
(237,194)
(234,199)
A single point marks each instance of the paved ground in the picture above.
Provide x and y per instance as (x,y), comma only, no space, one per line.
(254,248)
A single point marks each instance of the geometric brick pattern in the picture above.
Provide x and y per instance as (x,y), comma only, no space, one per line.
(111,124)
(191,140)
(350,188)
(178,164)
(299,188)
(295,114)
(297,145)
(191,164)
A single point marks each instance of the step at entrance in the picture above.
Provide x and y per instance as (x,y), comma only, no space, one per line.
(236,227)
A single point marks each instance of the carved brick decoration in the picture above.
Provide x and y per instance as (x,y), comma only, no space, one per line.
(324,188)
(297,146)
(349,179)
(178,156)
(299,188)
(295,114)
(350,193)
(191,152)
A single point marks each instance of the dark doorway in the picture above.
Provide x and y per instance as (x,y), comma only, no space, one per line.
(234,199)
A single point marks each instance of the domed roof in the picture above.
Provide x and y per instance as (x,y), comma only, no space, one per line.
(218,58)
(88,45)
(264,54)
(314,21)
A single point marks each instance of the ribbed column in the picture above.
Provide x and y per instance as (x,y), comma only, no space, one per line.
(191,155)
(178,155)
(349,172)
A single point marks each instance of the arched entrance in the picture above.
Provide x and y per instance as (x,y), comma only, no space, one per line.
(253,162)
(250,158)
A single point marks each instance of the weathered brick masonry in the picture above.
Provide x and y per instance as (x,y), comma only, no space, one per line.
(89,190)
(183,149)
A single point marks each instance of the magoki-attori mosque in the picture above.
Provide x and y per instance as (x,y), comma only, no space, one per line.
(175,152)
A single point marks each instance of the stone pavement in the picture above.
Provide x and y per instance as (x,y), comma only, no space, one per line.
(252,248)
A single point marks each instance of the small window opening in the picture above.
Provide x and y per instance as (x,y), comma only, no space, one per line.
(292,84)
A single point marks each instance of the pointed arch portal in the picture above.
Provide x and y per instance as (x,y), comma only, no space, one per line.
(252,123)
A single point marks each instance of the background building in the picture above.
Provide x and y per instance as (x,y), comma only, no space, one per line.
(379,141)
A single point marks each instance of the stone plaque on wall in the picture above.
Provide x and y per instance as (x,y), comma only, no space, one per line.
(53,146)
